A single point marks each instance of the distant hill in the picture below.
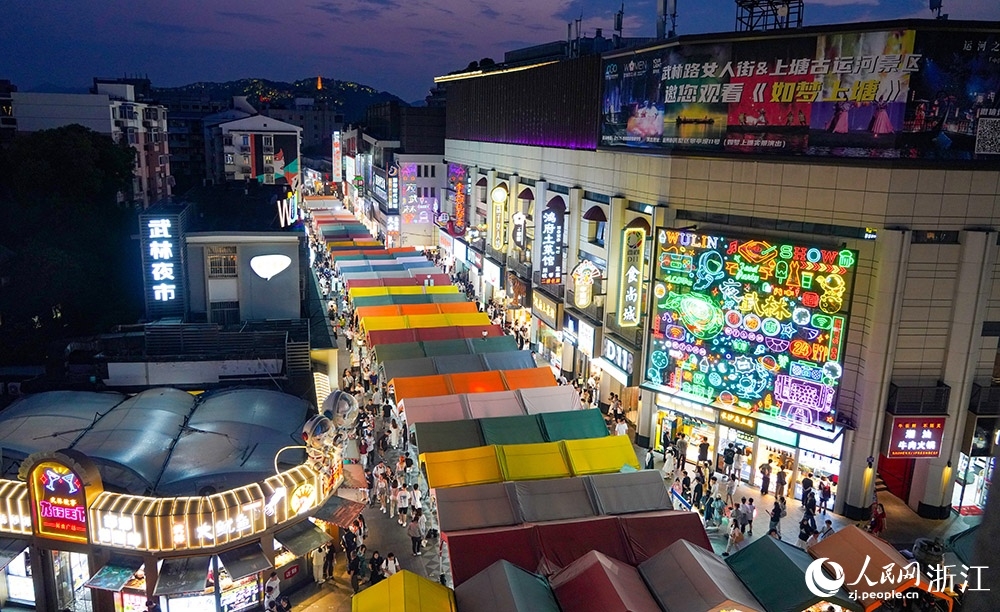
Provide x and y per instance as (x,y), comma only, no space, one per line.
(348,97)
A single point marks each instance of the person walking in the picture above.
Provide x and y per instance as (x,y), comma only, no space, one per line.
(416,530)
(703,448)
(728,456)
(825,493)
(775,522)
(682,448)
(877,524)
(742,515)
(731,491)
(780,481)
(735,539)
(827,530)
(375,568)
(390,566)
(751,515)
(765,477)
(403,504)
(358,569)
(329,561)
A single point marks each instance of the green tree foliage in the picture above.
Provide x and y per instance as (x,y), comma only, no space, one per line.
(74,268)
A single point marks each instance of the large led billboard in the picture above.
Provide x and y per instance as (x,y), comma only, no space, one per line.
(899,93)
(751,325)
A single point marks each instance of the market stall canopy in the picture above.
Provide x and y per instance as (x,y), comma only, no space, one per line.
(600,455)
(855,548)
(339,510)
(476,507)
(508,360)
(629,492)
(533,461)
(302,537)
(474,550)
(687,578)
(964,545)
(573,424)
(529,378)
(504,587)
(419,386)
(182,575)
(550,399)
(563,542)
(647,533)
(434,409)
(394,352)
(405,592)
(10,548)
(431,334)
(456,364)
(553,500)
(408,368)
(448,435)
(462,467)
(116,573)
(244,561)
(598,583)
(477,382)
(520,429)
(775,573)
(490,405)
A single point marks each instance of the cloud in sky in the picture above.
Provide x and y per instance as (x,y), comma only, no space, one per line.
(394,45)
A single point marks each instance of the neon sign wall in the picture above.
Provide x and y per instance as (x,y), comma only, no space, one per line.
(751,325)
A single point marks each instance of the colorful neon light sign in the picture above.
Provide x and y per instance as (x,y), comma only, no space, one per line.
(750,325)
(633,249)
(552,246)
(59,502)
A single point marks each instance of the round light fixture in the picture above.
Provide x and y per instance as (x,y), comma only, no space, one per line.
(499,194)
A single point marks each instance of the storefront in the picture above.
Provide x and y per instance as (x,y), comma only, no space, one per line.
(619,364)
(675,416)
(547,316)
(493,277)
(975,464)
(579,340)
(518,300)
(741,432)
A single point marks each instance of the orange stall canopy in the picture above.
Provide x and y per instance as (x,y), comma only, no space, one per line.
(476,382)
(419,309)
(529,379)
(457,307)
(377,311)
(420,386)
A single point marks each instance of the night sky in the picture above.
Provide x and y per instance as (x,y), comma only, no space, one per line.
(392,45)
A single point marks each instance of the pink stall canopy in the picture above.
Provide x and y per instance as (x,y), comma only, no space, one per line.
(493,404)
(434,409)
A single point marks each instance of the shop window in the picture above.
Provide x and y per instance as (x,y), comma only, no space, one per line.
(225,313)
(222,262)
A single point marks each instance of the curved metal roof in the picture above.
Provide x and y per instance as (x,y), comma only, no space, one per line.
(162,441)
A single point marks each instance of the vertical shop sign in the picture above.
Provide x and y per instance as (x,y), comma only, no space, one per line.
(584,275)
(163,263)
(457,175)
(633,245)
(498,218)
(338,170)
(552,245)
(408,193)
(518,234)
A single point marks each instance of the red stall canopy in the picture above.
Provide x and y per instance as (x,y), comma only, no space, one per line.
(647,533)
(475,550)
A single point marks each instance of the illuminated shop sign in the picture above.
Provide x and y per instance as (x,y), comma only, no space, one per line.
(350,168)
(750,325)
(569,329)
(162,250)
(915,437)
(15,511)
(630,290)
(457,177)
(58,485)
(379,187)
(491,274)
(584,275)
(288,210)
(460,251)
(338,163)
(586,335)
(518,232)
(413,208)
(161,241)
(899,93)
(393,201)
(498,218)
(738,421)
(552,246)
(547,310)
(618,356)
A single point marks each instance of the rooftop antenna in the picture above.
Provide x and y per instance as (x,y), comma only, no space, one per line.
(666,9)
(620,18)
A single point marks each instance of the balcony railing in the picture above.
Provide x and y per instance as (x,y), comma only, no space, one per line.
(916,399)
(984,400)
(495,255)
(520,268)
(596,308)
(556,291)
(631,334)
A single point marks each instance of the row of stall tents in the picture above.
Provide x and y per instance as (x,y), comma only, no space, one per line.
(766,576)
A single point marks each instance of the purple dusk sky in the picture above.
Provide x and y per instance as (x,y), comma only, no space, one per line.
(392,45)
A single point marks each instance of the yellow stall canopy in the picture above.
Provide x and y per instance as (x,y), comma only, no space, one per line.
(600,455)
(405,592)
(533,461)
(467,319)
(458,468)
(356,292)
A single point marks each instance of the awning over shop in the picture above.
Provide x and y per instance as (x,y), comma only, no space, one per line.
(596,583)
(244,561)
(647,533)
(476,507)
(116,573)
(775,573)
(302,537)
(687,578)
(462,467)
(395,352)
(182,575)
(339,511)
(448,435)
(600,455)
(854,547)
(573,424)
(10,548)
(625,493)
(553,500)
(504,587)
(533,461)
(520,429)
(405,592)
(529,378)
(550,399)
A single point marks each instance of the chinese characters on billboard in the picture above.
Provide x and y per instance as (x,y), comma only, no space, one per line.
(414,208)
(889,94)
(633,250)
(915,437)
(59,502)
(552,246)
(161,240)
(751,326)
(458,175)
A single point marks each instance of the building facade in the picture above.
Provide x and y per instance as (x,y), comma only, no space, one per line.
(255,148)
(798,239)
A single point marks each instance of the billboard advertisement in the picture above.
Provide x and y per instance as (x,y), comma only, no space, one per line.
(902,93)
(279,162)
(750,325)
(414,208)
